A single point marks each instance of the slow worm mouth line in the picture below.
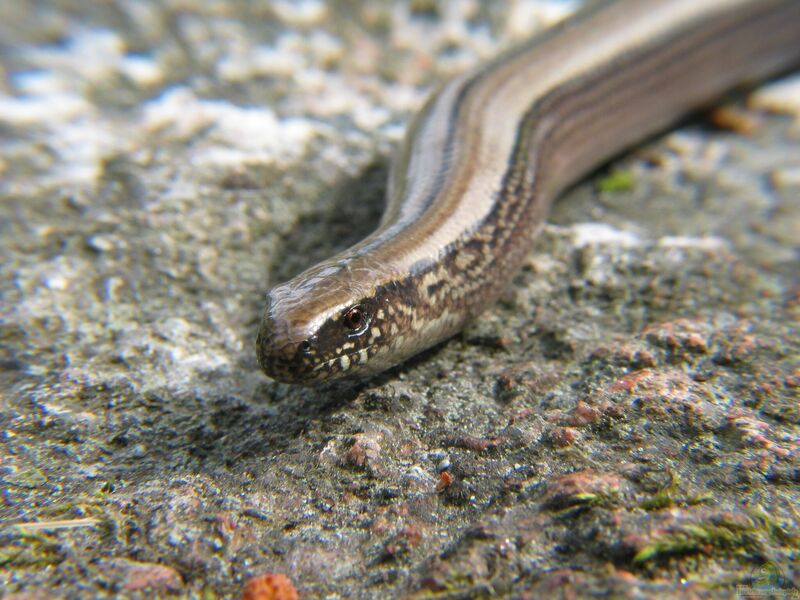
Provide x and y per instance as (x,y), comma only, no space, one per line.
(494,147)
(348,355)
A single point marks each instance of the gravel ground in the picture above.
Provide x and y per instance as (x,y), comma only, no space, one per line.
(626,421)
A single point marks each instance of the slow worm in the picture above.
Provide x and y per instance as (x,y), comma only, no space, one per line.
(487,155)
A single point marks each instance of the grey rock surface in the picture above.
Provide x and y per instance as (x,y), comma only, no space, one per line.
(626,421)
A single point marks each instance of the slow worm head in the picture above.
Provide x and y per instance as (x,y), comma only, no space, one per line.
(487,155)
(329,320)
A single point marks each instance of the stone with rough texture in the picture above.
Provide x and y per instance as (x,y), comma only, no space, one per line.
(625,421)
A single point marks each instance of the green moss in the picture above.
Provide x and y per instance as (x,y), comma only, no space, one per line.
(668,498)
(727,533)
(617,181)
(585,498)
(671,495)
(28,549)
(8,554)
(579,501)
(688,539)
(771,528)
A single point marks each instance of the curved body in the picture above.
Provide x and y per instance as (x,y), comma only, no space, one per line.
(487,155)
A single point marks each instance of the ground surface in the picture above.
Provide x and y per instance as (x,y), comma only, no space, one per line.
(625,421)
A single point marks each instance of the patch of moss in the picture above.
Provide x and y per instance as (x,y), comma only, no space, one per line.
(27,549)
(671,495)
(736,534)
(617,181)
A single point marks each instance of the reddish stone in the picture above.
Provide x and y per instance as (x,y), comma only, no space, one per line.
(270,586)
(152,577)
(445,480)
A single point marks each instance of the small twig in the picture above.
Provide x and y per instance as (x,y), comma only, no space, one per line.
(58,524)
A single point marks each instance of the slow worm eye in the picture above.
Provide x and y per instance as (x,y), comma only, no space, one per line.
(354,318)
(305,347)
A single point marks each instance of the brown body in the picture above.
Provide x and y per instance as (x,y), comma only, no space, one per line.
(487,155)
